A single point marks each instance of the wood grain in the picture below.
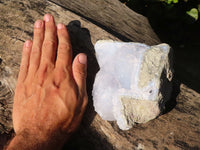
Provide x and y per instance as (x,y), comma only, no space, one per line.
(114,17)
(177,129)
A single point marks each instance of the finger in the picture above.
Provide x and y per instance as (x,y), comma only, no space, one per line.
(79,70)
(25,61)
(64,53)
(37,46)
(50,41)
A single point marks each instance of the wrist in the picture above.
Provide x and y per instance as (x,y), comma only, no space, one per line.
(36,141)
(26,140)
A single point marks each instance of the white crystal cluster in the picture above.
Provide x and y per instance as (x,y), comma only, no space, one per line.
(133,83)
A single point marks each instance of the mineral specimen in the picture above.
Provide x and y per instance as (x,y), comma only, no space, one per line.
(134,81)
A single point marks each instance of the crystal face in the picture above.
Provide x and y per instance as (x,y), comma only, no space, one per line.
(133,83)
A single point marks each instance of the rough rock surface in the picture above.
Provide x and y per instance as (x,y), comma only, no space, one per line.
(134,81)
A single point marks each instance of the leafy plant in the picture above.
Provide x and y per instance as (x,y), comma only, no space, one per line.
(193,13)
(171,1)
(184,8)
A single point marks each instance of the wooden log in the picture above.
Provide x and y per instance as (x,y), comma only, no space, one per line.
(178,128)
(114,17)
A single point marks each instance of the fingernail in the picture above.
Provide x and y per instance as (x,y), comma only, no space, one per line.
(82,59)
(28,43)
(38,24)
(60,26)
(47,17)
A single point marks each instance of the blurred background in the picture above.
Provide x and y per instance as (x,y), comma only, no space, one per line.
(176,22)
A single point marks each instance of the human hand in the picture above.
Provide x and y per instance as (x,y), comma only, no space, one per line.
(50,96)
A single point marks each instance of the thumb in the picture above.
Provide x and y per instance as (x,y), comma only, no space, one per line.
(79,70)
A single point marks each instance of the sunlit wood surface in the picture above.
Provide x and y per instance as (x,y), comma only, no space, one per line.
(87,22)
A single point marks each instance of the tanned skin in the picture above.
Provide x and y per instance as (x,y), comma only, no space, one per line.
(50,96)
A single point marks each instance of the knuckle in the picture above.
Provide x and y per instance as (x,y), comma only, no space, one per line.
(46,65)
(45,61)
(49,43)
(64,48)
(50,27)
(81,73)
(25,52)
(37,32)
(35,50)
(60,71)
(23,66)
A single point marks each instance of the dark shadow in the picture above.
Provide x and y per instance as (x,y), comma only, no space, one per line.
(85,138)
(81,43)
(169,90)
(5,138)
(172,102)
(174,26)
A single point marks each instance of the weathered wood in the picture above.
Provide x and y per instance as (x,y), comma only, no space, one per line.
(114,17)
(177,129)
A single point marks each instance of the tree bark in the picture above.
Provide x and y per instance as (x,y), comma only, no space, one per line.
(178,128)
(114,17)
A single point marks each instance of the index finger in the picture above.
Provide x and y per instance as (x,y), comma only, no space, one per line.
(64,53)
